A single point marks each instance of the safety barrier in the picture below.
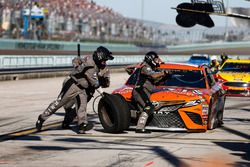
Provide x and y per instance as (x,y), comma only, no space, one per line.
(26,61)
(19,61)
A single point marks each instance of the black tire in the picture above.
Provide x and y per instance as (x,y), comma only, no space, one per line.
(113,113)
(125,111)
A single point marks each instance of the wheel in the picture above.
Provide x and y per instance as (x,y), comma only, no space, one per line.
(126,113)
(113,113)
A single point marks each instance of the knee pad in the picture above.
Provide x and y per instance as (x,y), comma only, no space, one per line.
(149,109)
(53,105)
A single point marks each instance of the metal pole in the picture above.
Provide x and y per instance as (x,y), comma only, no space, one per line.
(226,24)
(79,50)
(142,10)
(30,7)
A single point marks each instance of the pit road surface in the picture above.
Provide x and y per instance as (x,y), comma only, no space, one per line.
(23,100)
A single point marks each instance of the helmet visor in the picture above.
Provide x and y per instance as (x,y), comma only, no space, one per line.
(110,57)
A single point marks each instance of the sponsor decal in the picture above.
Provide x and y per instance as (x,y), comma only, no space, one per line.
(205,109)
(161,112)
(197,92)
(125,90)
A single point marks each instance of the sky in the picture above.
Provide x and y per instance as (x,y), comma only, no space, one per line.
(160,10)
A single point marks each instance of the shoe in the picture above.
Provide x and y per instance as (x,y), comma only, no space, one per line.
(142,131)
(39,123)
(65,126)
(85,127)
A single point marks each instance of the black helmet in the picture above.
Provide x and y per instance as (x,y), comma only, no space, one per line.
(102,54)
(150,59)
(223,56)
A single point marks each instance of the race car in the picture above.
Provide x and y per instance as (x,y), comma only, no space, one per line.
(189,99)
(199,59)
(235,77)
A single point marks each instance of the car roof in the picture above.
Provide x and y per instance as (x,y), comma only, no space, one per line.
(181,66)
(198,56)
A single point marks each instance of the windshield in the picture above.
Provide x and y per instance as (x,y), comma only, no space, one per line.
(236,67)
(180,78)
(201,58)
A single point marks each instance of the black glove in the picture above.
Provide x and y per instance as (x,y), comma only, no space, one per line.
(104,82)
(90,93)
(168,73)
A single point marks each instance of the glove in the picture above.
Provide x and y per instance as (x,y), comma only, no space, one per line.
(167,72)
(104,82)
(76,62)
(104,72)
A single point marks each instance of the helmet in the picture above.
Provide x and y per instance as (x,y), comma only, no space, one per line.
(102,54)
(214,57)
(223,56)
(150,59)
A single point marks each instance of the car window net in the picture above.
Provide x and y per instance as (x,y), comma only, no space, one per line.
(182,78)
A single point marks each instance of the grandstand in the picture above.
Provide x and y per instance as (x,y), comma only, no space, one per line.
(84,20)
(72,20)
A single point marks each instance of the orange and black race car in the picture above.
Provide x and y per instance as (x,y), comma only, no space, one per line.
(189,99)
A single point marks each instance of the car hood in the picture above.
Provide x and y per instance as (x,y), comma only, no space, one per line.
(176,94)
(167,93)
(234,76)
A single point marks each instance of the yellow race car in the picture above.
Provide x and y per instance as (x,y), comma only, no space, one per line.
(235,77)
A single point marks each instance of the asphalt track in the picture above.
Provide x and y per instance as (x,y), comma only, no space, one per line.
(20,145)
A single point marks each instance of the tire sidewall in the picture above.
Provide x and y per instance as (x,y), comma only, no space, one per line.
(112,106)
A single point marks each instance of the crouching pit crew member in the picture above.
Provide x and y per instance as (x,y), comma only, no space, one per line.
(148,75)
(76,86)
(70,111)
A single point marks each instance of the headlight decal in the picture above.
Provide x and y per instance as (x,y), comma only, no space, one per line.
(192,103)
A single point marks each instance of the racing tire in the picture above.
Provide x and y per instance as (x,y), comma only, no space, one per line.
(126,113)
(113,113)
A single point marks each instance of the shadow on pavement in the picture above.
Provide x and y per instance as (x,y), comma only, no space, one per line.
(175,161)
(238,133)
(29,138)
(238,149)
(248,110)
